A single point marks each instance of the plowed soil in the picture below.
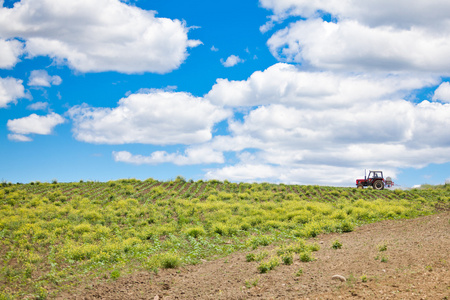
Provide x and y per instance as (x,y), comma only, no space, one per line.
(415,265)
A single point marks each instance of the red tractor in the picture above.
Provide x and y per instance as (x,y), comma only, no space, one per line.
(375,180)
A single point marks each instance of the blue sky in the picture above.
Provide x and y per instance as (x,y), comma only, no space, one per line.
(279,91)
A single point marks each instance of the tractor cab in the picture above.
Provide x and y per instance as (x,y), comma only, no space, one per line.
(375,174)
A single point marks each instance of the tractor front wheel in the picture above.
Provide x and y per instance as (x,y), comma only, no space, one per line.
(378,185)
(359,186)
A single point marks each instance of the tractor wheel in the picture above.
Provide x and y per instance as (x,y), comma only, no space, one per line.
(378,185)
(359,186)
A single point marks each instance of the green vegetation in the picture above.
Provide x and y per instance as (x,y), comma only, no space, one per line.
(382,247)
(336,244)
(55,234)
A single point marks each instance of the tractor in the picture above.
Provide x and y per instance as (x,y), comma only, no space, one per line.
(375,180)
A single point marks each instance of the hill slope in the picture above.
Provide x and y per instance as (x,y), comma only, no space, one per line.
(58,235)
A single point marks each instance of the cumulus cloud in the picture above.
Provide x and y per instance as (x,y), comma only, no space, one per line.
(33,124)
(158,117)
(41,78)
(364,35)
(192,156)
(309,146)
(402,13)
(10,51)
(442,92)
(96,36)
(11,89)
(231,61)
(289,85)
(349,45)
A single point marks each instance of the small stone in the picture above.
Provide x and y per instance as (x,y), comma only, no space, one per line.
(321,242)
(156,297)
(339,277)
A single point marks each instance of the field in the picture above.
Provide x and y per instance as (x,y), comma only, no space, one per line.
(57,238)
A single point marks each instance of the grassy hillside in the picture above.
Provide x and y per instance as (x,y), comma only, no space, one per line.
(55,234)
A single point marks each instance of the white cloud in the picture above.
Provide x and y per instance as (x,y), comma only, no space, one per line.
(159,118)
(33,124)
(41,78)
(96,36)
(231,61)
(19,138)
(287,84)
(38,106)
(364,35)
(442,92)
(349,45)
(214,49)
(192,156)
(245,173)
(10,50)
(401,13)
(11,89)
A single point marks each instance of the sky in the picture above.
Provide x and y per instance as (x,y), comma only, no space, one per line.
(282,91)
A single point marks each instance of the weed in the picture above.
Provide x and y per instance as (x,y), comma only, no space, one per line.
(384,259)
(287,259)
(266,266)
(195,231)
(299,273)
(261,255)
(336,244)
(170,261)
(115,274)
(382,248)
(250,257)
(41,294)
(250,283)
(306,257)
(314,247)
(364,278)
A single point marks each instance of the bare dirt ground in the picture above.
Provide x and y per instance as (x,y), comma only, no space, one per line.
(415,265)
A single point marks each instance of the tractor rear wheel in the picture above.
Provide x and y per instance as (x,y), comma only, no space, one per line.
(378,185)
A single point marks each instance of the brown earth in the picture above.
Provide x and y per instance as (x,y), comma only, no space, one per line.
(415,265)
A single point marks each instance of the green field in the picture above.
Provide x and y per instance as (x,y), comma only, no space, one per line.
(56,235)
